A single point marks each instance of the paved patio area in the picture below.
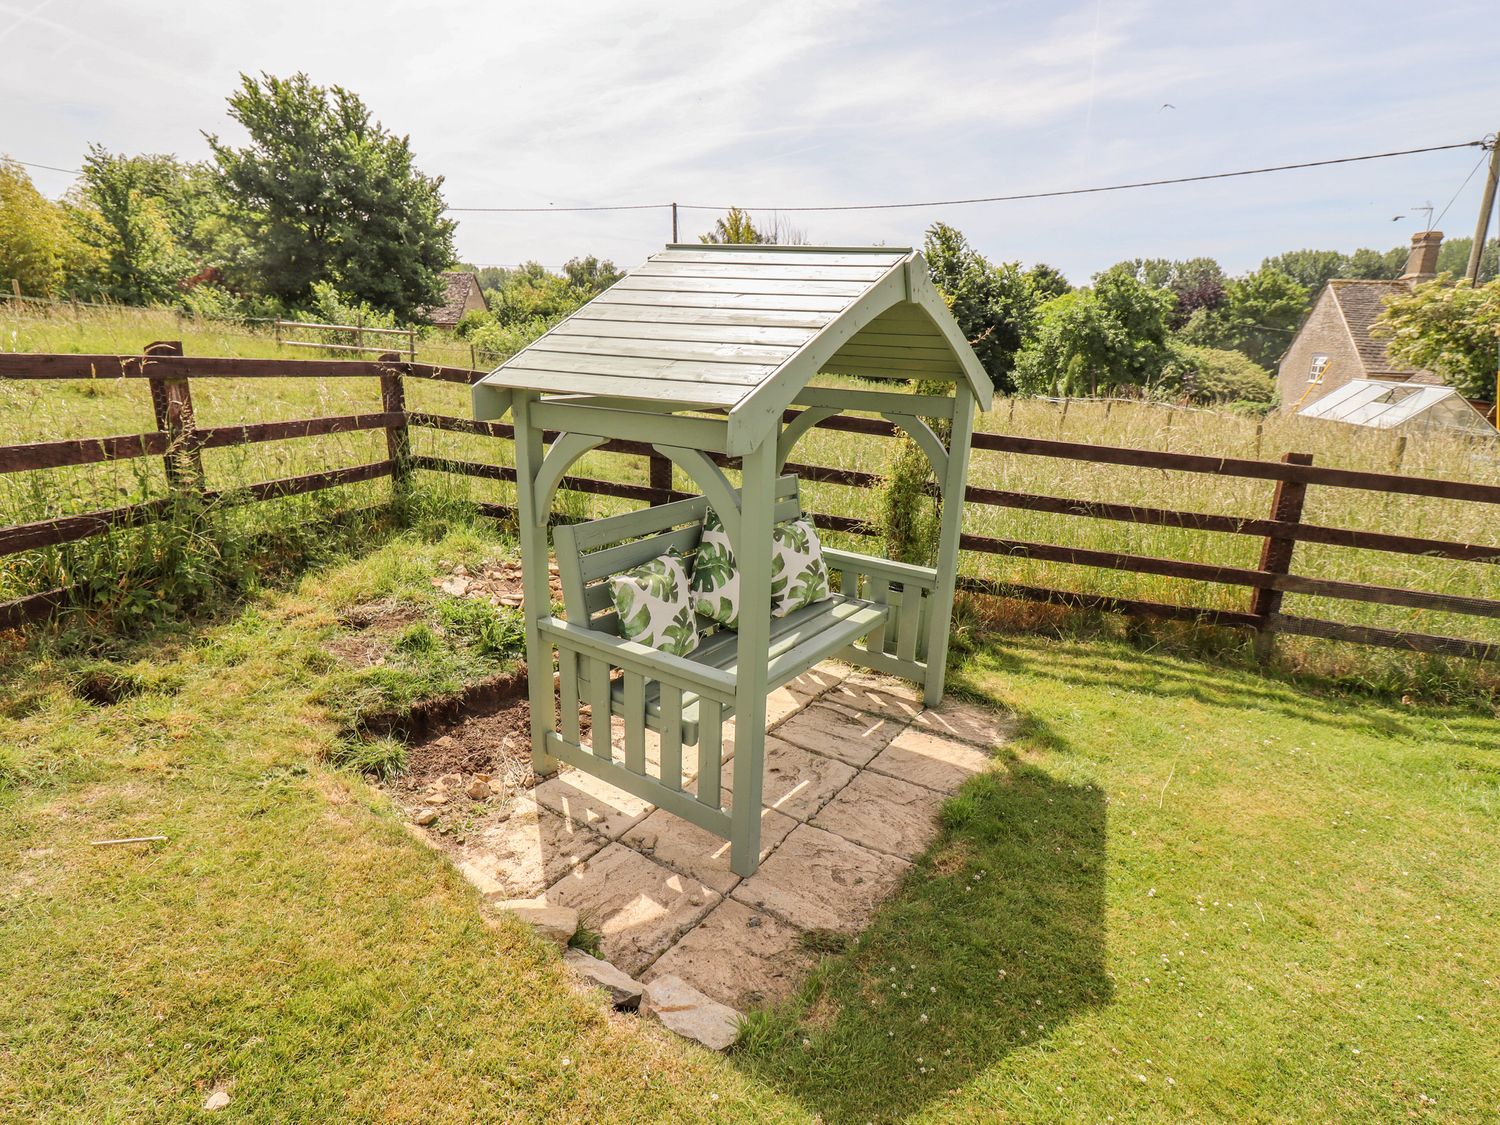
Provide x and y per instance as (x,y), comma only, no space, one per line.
(856,770)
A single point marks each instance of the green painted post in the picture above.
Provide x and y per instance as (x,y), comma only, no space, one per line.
(535,588)
(757,511)
(940,619)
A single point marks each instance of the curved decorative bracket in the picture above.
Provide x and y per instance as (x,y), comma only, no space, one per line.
(793,431)
(565,450)
(721,494)
(922,434)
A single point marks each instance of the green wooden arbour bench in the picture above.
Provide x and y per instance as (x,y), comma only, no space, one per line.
(711,350)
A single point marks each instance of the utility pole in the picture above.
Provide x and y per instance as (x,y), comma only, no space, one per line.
(1482,229)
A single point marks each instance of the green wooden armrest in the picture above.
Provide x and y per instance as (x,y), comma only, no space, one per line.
(641,659)
(924,576)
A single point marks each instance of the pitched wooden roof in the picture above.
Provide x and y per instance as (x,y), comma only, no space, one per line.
(744,328)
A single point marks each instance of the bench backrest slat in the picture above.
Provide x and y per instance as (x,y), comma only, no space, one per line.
(588,553)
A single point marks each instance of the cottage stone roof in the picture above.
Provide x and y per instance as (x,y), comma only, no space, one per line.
(459,286)
(1360,303)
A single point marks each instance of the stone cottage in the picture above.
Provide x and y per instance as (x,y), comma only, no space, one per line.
(1334,345)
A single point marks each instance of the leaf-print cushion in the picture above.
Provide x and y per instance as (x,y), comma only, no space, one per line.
(716,576)
(799,576)
(655,606)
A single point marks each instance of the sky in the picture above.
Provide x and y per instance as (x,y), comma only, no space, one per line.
(771,104)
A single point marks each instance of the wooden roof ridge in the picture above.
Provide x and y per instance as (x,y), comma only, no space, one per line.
(744,328)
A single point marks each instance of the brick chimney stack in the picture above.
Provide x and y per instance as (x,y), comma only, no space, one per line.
(1421,263)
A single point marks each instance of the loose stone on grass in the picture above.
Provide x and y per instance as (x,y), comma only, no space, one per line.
(682,1008)
(558,923)
(624,991)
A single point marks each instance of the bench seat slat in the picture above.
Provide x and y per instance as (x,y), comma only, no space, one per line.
(799,641)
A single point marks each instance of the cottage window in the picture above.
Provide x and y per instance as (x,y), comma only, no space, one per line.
(1319,365)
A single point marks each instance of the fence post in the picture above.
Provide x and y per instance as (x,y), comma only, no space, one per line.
(172,403)
(397,436)
(660,474)
(1276,553)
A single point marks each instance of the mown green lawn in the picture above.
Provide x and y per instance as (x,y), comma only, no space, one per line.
(1186,892)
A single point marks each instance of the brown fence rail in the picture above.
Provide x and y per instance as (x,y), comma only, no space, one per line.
(179,442)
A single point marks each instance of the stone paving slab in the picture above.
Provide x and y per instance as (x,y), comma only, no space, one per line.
(929,759)
(879,695)
(684,846)
(884,814)
(967,722)
(739,956)
(796,782)
(591,802)
(818,881)
(638,906)
(527,851)
(851,736)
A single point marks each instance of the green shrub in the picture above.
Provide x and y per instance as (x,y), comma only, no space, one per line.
(1218,375)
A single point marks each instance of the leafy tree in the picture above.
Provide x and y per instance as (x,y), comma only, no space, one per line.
(994,305)
(1453,258)
(330,195)
(735,227)
(1259,316)
(37,247)
(1451,330)
(1196,283)
(1047,282)
(1310,269)
(1091,340)
(154,224)
(1373,265)
(589,275)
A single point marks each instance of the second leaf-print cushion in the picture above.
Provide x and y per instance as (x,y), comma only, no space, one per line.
(655,605)
(799,577)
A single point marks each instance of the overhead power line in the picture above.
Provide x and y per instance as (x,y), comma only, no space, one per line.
(50,167)
(983,198)
(1012,198)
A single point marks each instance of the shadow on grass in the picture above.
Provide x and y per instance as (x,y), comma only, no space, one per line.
(995,938)
(1181,677)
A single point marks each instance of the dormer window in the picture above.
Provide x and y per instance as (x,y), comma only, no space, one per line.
(1319,365)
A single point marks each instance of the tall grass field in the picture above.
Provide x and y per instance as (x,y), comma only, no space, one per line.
(43,410)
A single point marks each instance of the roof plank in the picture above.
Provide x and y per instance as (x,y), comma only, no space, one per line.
(755,271)
(629,367)
(686,394)
(656,330)
(657,348)
(602,309)
(742,301)
(735,286)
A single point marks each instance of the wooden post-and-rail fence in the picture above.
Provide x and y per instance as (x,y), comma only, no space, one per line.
(180,441)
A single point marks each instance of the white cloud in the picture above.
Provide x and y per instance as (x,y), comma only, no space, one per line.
(814,102)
